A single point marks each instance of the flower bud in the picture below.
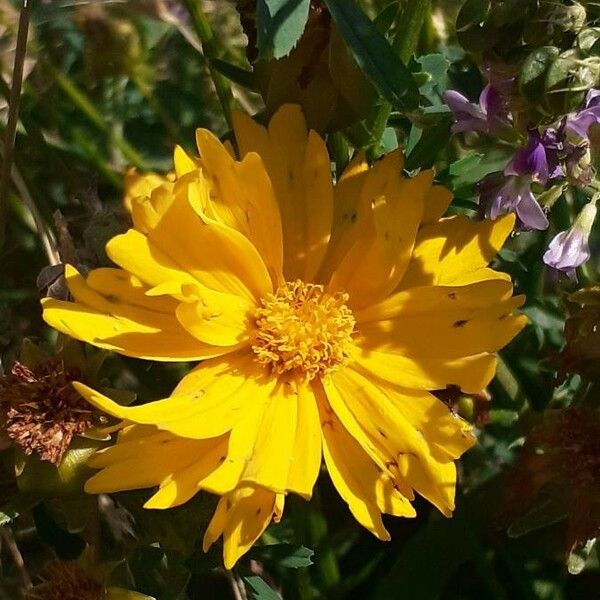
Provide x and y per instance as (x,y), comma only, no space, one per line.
(570,249)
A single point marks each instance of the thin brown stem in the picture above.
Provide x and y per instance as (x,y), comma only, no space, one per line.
(237,586)
(8,540)
(13,113)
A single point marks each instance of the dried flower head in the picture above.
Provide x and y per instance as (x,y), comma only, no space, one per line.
(41,410)
(67,581)
(560,462)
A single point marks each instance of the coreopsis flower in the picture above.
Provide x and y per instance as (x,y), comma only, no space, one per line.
(324,315)
(486,117)
(570,249)
(510,191)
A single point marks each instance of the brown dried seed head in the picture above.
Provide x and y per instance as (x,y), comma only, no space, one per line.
(66,581)
(40,409)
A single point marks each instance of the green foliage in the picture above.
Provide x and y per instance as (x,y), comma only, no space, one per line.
(375,55)
(279,25)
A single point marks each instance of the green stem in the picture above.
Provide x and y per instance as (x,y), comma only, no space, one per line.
(85,105)
(210,47)
(13,113)
(510,383)
(318,533)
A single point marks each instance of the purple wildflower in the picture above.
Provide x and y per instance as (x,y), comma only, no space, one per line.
(578,124)
(570,249)
(486,117)
(510,191)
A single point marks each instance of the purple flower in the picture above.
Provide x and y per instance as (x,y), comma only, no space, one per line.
(510,191)
(577,124)
(501,194)
(486,117)
(570,249)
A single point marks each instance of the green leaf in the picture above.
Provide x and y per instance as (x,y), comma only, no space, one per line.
(279,25)
(284,555)
(374,55)
(435,66)
(545,512)
(261,590)
(236,74)
(432,141)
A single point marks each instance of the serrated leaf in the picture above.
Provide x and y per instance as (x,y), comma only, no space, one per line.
(375,55)
(284,555)
(279,25)
(261,591)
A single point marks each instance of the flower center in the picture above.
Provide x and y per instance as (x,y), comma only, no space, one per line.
(304,329)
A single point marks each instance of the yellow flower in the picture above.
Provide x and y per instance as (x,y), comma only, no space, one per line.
(323,314)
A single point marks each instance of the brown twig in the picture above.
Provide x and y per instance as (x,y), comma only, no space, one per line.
(13,112)
(8,540)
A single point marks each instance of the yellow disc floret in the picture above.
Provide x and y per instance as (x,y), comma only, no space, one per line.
(302,328)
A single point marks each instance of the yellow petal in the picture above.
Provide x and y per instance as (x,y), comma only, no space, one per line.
(436,299)
(472,373)
(121,286)
(146,211)
(131,442)
(244,437)
(133,251)
(241,517)
(186,483)
(299,168)
(455,250)
(355,476)
(184,163)
(348,214)
(215,399)
(269,462)
(375,264)
(218,256)
(403,446)
(436,203)
(137,185)
(155,462)
(132,330)
(224,322)
(447,435)
(449,334)
(306,454)
(242,197)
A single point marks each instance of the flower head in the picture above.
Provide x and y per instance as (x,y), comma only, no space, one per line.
(510,191)
(560,464)
(40,409)
(67,580)
(313,308)
(486,117)
(570,249)
(577,124)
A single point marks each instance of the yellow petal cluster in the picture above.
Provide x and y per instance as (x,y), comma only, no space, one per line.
(323,313)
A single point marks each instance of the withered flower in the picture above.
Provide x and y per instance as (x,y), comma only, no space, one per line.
(560,465)
(66,581)
(40,409)
(581,353)
(79,579)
